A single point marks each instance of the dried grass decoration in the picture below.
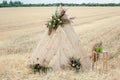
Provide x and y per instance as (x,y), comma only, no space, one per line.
(58,19)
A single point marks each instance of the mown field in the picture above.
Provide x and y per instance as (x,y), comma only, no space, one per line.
(21,30)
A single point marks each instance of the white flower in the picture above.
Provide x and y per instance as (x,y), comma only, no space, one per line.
(58,19)
(73,65)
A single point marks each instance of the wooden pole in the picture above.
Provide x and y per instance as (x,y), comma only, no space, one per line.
(105,61)
(96,60)
(93,57)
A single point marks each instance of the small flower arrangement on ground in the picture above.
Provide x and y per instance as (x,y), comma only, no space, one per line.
(75,64)
(40,69)
(58,19)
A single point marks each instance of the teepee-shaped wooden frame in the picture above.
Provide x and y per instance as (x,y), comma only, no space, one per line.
(56,49)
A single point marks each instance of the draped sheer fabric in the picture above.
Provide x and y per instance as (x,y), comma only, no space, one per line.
(55,50)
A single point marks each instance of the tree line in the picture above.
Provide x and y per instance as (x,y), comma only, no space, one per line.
(21,4)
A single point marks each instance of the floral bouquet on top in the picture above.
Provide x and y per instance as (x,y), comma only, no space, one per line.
(58,19)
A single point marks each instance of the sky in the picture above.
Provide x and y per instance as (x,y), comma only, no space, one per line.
(66,1)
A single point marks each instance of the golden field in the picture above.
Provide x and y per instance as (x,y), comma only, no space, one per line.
(21,30)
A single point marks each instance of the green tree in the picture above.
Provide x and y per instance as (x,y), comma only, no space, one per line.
(4,2)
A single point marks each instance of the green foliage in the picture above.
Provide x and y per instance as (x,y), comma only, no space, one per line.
(99,49)
(20,4)
(11,4)
(5,2)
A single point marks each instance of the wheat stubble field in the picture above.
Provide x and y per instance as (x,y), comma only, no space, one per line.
(21,30)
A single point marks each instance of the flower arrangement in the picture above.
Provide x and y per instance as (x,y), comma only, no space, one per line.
(75,64)
(40,69)
(57,19)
